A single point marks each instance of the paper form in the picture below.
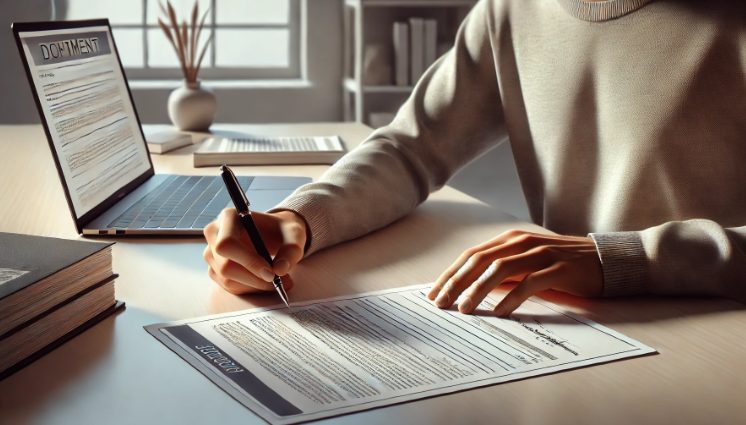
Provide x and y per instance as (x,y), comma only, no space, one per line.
(342,355)
(88,111)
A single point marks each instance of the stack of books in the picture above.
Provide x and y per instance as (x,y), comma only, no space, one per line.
(50,291)
(415,49)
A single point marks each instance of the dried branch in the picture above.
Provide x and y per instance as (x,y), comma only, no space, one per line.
(170,37)
(180,42)
(204,49)
(202,23)
(185,38)
(196,40)
(185,44)
(192,40)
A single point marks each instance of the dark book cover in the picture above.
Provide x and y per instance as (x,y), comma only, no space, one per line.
(25,259)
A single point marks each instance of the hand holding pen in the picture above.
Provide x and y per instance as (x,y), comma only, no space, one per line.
(237,266)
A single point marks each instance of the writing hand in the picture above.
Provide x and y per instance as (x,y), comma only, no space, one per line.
(565,263)
(232,260)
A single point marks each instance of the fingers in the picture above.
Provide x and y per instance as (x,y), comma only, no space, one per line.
(477,268)
(232,243)
(238,288)
(229,274)
(448,274)
(499,271)
(464,258)
(530,285)
(474,261)
(233,261)
(477,265)
(230,286)
(291,251)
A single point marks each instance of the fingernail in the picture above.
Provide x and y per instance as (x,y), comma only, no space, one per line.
(281,267)
(464,305)
(442,299)
(500,311)
(267,275)
(432,294)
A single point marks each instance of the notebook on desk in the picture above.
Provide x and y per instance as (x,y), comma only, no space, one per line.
(97,142)
(259,150)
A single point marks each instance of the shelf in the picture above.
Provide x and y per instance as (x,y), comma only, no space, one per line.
(359,100)
(351,86)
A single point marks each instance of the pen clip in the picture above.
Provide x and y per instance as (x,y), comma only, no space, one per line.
(235,191)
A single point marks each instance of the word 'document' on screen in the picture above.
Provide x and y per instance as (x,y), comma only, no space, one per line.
(71,47)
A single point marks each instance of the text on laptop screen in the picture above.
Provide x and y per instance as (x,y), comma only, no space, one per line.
(89,114)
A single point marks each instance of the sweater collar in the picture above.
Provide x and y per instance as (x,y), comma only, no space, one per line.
(601,11)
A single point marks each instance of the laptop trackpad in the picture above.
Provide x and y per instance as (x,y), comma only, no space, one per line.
(277,183)
(262,200)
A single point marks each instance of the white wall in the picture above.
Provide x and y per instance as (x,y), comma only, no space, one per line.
(319,100)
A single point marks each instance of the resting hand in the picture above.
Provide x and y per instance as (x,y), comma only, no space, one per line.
(232,260)
(565,263)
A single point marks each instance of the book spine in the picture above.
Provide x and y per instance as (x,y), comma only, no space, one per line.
(431,42)
(417,48)
(155,148)
(401,53)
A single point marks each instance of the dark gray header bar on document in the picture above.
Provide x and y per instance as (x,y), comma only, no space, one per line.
(234,371)
(51,49)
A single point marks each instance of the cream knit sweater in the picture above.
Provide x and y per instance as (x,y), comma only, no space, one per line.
(627,119)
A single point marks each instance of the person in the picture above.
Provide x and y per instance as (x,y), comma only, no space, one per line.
(627,120)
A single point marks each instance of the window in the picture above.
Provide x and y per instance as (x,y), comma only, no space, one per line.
(252,39)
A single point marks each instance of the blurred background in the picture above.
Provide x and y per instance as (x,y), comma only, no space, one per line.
(274,61)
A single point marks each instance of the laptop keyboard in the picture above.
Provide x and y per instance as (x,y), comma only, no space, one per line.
(180,202)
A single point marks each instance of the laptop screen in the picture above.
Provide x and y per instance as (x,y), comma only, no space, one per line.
(85,102)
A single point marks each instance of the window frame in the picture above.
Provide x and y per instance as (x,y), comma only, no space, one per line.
(296,25)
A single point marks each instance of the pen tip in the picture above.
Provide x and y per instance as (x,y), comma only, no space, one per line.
(283,295)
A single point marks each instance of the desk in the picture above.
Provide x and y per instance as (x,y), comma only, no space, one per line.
(117,373)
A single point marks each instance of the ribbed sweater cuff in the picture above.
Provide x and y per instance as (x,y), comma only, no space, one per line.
(319,229)
(624,263)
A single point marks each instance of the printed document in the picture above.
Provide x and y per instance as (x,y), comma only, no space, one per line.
(89,114)
(342,355)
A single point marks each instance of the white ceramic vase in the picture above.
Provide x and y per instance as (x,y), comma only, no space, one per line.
(192,107)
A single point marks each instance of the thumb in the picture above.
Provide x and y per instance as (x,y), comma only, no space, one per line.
(291,251)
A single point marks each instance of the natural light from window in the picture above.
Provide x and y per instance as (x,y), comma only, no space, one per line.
(252,38)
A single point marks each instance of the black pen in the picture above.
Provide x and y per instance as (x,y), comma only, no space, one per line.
(242,206)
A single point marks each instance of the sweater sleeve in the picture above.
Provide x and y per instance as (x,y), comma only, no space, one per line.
(453,115)
(695,257)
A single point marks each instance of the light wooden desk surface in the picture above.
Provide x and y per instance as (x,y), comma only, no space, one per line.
(117,373)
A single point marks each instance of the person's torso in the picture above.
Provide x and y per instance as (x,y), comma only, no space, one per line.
(627,123)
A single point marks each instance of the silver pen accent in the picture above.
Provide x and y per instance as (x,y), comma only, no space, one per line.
(281,290)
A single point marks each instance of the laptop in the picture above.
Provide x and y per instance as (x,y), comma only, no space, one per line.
(98,145)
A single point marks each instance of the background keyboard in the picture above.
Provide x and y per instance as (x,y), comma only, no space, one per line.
(180,202)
